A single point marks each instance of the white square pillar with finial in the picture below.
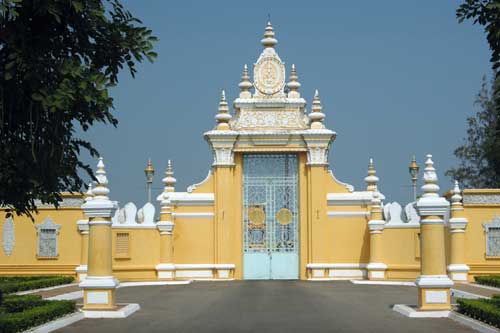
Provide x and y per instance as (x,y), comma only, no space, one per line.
(433,283)
(166,268)
(457,268)
(100,284)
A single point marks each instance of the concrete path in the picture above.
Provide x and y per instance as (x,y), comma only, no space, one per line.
(477,289)
(267,306)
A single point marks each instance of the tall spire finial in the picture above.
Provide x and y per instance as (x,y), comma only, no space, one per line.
(456,198)
(89,195)
(316,116)
(169,180)
(430,187)
(294,84)
(223,116)
(371,180)
(245,84)
(101,190)
(269,40)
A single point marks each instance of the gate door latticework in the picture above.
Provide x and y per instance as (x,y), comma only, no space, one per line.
(270,218)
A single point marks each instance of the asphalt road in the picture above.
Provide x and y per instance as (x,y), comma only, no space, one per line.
(267,306)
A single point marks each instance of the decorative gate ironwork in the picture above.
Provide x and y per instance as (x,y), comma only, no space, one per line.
(270,216)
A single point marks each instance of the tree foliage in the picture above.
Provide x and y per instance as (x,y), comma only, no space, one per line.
(58,61)
(487,14)
(475,169)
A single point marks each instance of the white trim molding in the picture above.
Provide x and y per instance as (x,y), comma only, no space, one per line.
(363,198)
(191,199)
(340,271)
(348,214)
(193,187)
(133,226)
(200,215)
(195,271)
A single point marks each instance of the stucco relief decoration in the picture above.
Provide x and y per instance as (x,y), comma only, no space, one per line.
(8,236)
(270,119)
(223,156)
(481,199)
(317,156)
(66,202)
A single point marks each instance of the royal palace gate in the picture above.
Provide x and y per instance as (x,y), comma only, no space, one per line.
(271,216)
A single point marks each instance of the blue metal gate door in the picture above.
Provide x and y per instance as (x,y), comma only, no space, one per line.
(270,216)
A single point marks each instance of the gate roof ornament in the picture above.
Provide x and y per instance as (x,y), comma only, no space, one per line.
(270,119)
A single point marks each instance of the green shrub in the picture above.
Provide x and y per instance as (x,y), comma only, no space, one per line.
(49,310)
(488,280)
(21,303)
(481,309)
(23,278)
(15,284)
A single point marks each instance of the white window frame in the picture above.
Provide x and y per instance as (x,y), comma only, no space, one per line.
(494,224)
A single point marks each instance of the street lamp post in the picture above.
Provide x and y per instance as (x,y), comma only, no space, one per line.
(413,169)
(149,172)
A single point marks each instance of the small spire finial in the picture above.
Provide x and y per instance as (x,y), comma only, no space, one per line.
(294,84)
(316,116)
(223,116)
(101,190)
(269,40)
(89,195)
(245,84)
(456,198)
(169,180)
(371,180)
(430,187)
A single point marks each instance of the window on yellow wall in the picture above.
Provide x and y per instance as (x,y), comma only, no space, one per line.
(48,237)
(492,229)
(122,246)
(493,242)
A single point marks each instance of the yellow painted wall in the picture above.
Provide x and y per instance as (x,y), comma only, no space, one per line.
(194,241)
(401,253)
(475,240)
(144,255)
(23,259)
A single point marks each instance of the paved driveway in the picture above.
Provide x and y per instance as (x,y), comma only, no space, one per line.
(267,306)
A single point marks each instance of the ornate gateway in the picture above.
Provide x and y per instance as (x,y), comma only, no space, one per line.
(270,218)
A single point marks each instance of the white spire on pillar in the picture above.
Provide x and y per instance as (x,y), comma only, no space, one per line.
(101,190)
(430,187)
(223,117)
(371,180)
(89,195)
(294,84)
(245,84)
(316,116)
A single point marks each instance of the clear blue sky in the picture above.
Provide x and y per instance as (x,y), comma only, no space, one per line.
(396,78)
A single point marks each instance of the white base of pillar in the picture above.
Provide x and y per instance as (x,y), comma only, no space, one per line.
(458,272)
(412,312)
(165,271)
(376,270)
(99,282)
(81,272)
(122,312)
(433,281)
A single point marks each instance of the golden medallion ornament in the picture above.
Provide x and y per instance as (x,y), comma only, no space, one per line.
(256,215)
(284,216)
